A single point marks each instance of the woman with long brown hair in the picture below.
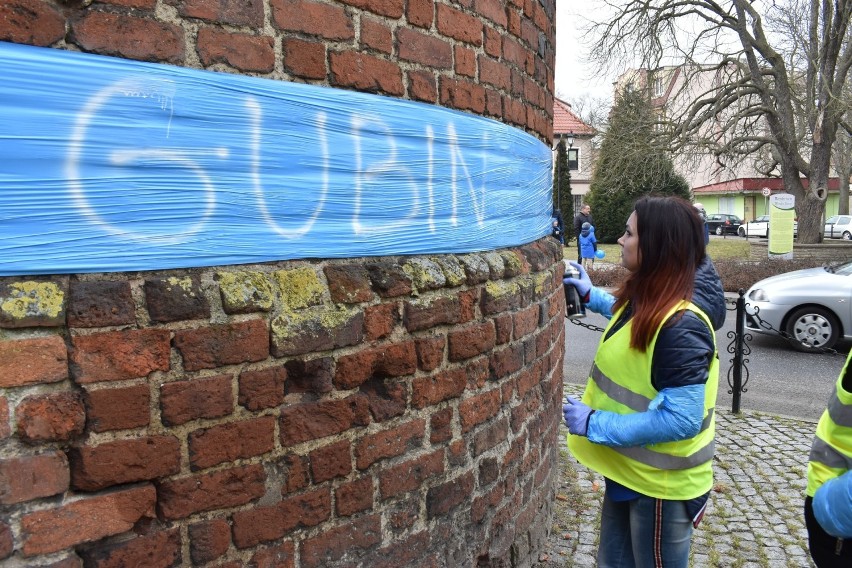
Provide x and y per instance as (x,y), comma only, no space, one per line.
(646,419)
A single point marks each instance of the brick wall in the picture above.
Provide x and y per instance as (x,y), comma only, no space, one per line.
(379,412)
(489,57)
(828,251)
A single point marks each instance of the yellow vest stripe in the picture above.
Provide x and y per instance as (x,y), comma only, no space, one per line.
(668,461)
(841,414)
(634,401)
(825,454)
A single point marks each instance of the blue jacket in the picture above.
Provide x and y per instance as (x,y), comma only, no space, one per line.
(833,506)
(587,242)
(679,371)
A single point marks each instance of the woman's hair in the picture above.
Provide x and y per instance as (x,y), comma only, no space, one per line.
(671,247)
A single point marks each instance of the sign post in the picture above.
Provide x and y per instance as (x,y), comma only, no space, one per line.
(782,209)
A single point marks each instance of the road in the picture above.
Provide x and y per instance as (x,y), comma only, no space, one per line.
(780,380)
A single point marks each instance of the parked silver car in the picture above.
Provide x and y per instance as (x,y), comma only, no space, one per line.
(838,227)
(813,307)
(760,228)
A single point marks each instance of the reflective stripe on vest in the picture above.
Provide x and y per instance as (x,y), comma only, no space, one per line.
(841,414)
(830,455)
(823,453)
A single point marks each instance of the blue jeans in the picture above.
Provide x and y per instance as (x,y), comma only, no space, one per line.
(644,532)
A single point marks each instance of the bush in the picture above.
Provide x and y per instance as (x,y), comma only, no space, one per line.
(735,274)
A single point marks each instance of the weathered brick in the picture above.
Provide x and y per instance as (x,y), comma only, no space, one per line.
(489,436)
(280,556)
(465,61)
(463,95)
(411,551)
(183,401)
(300,287)
(441,426)
(315,420)
(430,352)
(420,13)
(31,22)
(458,25)
(176,299)
(235,12)
(493,42)
(231,442)
(316,330)
(50,417)
(494,10)
(32,477)
(393,360)
(428,50)
(410,475)
(313,18)
(526,321)
(100,304)
(348,284)
(226,344)
(493,103)
(424,314)
(331,545)
(118,408)
(33,303)
(124,461)
(244,292)
(506,361)
(422,86)
(477,373)
(262,389)
(5,427)
(33,361)
(503,323)
(86,520)
(180,498)
(266,524)
(433,389)
(354,497)
(390,8)
(479,408)
(365,72)
(445,497)
(471,341)
(7,542)
(389,443)
(129,37)
(119,355)
(500,297)
(311,375)
(157,550)
(296,470)
(389,280)
(305,59)
(333,460)
(209,540)
(494,73)
(380,321)
(241,51)
(375,34)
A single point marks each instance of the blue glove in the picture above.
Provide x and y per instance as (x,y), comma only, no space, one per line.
(583,284)
(576,416)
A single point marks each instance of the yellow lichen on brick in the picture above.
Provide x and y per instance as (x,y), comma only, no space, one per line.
(453,270)
(542,281)
(244,288)
(27,299)
(184,284)
(501,288)
(512,262)
(424,274)
(300,287)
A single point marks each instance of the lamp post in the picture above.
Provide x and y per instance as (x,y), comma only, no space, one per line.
(570,139)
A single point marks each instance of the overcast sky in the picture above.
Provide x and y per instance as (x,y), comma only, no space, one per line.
(573,77)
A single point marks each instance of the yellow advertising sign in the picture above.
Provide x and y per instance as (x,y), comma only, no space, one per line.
(782,216)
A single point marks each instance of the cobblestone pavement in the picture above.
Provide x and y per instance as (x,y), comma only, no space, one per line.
(755,516)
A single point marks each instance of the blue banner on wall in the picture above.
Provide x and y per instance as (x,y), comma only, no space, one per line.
(117,165)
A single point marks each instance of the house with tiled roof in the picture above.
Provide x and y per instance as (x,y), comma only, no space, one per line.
(577,135)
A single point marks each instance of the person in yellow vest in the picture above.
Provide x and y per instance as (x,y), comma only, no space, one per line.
(828,504)
(646,418)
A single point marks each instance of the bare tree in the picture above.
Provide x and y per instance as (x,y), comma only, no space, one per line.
(779,70)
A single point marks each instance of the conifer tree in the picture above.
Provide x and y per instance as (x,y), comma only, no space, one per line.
(562,200)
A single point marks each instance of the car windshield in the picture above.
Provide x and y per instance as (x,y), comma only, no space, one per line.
(841,269)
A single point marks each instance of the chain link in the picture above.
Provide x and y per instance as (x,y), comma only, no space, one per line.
(576,321)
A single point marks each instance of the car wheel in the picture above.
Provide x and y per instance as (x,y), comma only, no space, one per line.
(741,232)
(719,230)
(812,328)
(847,236)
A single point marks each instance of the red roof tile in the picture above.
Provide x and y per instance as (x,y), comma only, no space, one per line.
(565,120)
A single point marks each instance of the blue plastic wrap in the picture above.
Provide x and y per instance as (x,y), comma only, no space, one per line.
(116,165)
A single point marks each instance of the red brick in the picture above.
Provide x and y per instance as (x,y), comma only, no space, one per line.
(310,375)
(425,314)
(348,284)
(463,95)
(489,437)
(315,420)
(304,58)
(183,401)
(129,37)
(332,544)
(262,389)
(430,352)
(86,520)
(157,550)
(443,498)
(118,408)
(180,498)
(410,551)
(354,497)
(394,360)
(231,442)
(506,361)
(503,325)
(390,8)
(100,304)
(5,427)
(333,460)
(7,542)
(218,345)
(281,556)
(479,408)
(376,35)
(389,443)
(32,477)
(471,341)
(493,42)
(267,524)
(235,12)
(494,10)
(420,13)
(419,47)
(422,86)
(494,73)
(380,321)
(441,426)
(389,280)
(33,361)
(124,461)
(50,417)
(526,321)
(437,388)
(493,103)
(32,22)
(241,51)
(458,25)
(365,73)
(119,355)
(313,18)
(296,470)
(410,475)
(465,61)
(209,540)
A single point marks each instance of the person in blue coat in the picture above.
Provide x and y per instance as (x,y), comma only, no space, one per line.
(588,245)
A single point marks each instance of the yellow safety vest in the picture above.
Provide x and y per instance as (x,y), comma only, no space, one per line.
(831,451)
(620,381)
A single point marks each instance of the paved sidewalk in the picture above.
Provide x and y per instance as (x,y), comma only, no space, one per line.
(755,516)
